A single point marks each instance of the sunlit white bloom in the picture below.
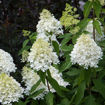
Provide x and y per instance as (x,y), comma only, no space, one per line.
(89,28)
(10,90)
(48,24)
(30,78)
(42,56)
(58,77)
(86,52)
(6,62)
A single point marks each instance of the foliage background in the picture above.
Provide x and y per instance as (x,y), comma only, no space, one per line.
(16,15)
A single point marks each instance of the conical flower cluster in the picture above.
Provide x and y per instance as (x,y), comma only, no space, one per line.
(86,52)
(10,89)
(48,25)
(6,62)
(42,55)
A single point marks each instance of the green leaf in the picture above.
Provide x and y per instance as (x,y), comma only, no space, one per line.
(72,98)
(97,8)
(21,103)
(42,76)
(87,8)
(74,38)
(64,89)
(90,100)
(35,86)
(65,40)
(56,46)
(67,48)
(73,72)
(97,26)
(65,35)
(83,23)
(32,37)
(25,43)
(87,76)
(49,98)
(54,84)
(65,101)
(80,93)
(25,48)
(36,93)
(81,77)
(103,10)
(100,87)
(66,64)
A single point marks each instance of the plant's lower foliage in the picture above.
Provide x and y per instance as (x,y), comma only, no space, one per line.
(6,62)
(42,55)
(10,89)
(86,52)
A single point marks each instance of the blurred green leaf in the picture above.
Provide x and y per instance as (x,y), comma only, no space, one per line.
(25,43)
(97,26)
(99,85)
(87,8)
(66,64)
(49,98)
(97,8)
(36,93)
(80,93)
(54,84)
(90,100)
(42,76)
(35,86)
(56,46)
(73,72)
(83,23)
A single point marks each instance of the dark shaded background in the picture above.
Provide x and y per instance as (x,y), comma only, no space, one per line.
(16,15)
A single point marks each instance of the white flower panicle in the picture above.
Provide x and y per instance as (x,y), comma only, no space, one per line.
(6,63)
(86,52)
(30,78)
(10,89)
(48,24)
(42,55)
(58,77)
(89,28)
